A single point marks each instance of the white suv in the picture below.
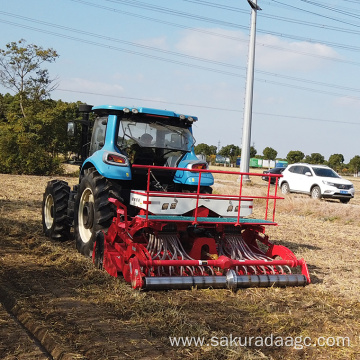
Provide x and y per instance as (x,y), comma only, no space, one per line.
(318,181)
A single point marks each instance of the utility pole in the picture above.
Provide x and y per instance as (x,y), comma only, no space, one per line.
(246,138)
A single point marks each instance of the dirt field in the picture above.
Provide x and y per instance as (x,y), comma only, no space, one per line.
(57,305)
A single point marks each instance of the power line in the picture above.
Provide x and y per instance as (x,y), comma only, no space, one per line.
(157,9)
(235,9)
(185,56)
(352,1)
(331,8)
(308,118)
(317,14)
(342,46)
(105,37)
(151,100)
(282,35)
(311,24)
(237,26)
(236,67)
(122,49)
(207,107)
(224,7)
(307,89)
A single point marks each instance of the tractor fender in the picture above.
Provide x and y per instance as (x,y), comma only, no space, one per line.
(106,170)
(189,177)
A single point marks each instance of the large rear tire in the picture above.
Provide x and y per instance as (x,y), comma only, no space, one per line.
(56,224)
(93,211)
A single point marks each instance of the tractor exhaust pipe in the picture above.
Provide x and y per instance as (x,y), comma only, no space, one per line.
(230,281)
(84,109)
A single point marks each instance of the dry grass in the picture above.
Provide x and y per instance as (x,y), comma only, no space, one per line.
(100,317)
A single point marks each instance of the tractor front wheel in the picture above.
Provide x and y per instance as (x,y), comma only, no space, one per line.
(93,211)
(56,224)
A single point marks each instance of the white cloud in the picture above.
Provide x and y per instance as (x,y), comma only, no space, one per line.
(79,84)
(273,100)
(348,102)
(281,54)
(159,42)
(213,47)
(137,77)
(269,53)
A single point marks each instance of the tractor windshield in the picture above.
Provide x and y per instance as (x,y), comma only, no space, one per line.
(155,135)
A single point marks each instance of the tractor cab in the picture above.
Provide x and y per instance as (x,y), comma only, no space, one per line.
(122,138)
(154,141)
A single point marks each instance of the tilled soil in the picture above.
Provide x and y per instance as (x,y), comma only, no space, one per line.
(71,310)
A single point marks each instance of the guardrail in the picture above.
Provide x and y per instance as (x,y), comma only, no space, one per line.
(198,195)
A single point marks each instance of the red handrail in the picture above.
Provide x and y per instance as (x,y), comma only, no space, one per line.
(199,195)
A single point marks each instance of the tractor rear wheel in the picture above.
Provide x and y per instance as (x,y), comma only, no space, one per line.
(93,211)
(56,224)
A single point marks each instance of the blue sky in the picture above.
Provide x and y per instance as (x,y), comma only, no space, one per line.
(190,56)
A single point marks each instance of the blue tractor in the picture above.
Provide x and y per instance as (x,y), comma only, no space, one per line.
(121,137)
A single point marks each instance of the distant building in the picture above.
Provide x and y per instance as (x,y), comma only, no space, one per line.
(221,160)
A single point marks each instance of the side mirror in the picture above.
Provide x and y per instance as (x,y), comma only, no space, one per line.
(308,173)
(71,129)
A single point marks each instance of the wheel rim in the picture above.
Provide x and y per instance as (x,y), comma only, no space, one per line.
(315,193)
(86,215)
(284,189)
(49,211)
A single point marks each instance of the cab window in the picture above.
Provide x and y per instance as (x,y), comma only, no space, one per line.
(98,134)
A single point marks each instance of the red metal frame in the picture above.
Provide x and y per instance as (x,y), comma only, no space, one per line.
(126,244)
(198,194)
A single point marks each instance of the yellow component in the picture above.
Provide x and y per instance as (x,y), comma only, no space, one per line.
(213,256)
(193,179)
(127,174)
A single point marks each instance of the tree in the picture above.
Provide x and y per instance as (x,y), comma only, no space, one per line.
(230,151)
(205,149)
(314,158)
(354,164)
(253,152)
(21,71)
(294,156)
(269,153)
(336,161)
(213,150)
(32,145)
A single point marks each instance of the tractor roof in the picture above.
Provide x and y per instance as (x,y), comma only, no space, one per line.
(113,109)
